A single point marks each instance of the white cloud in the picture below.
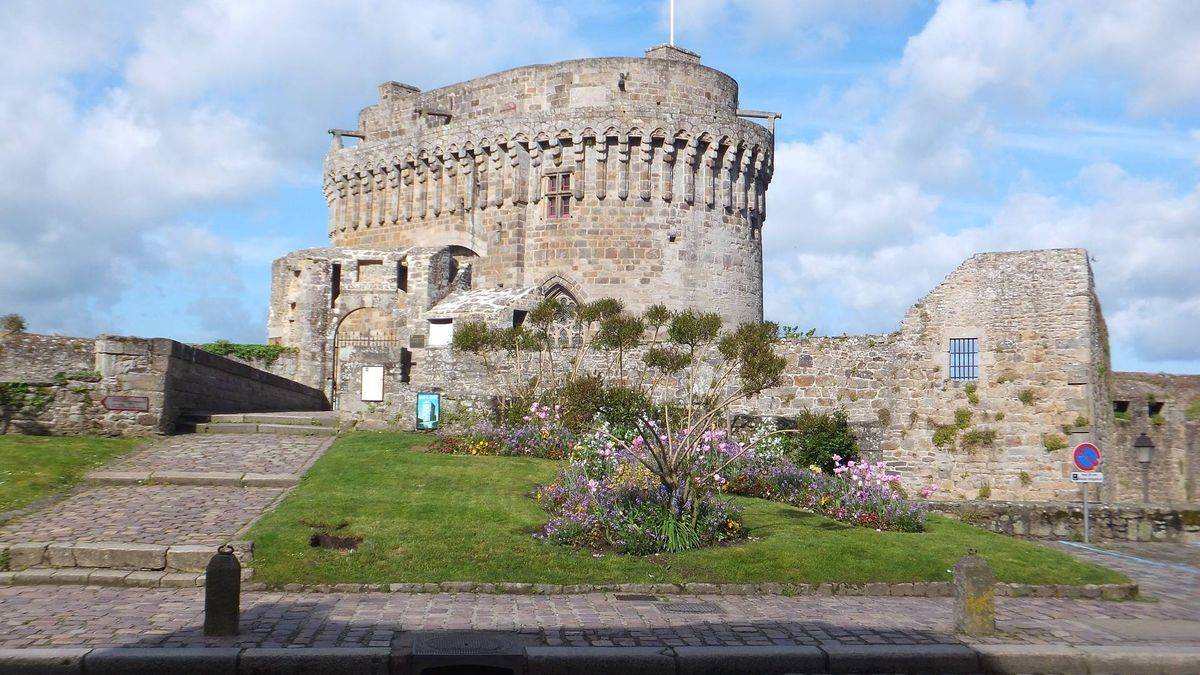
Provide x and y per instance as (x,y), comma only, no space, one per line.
(859,225)
(123,117)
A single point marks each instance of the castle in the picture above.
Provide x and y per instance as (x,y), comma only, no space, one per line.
(639,179)
(631,178)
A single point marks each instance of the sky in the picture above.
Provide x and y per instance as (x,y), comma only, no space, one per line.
(159,155)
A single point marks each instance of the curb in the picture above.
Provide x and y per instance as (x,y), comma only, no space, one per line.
(930,589)
(831,658)
(174,578)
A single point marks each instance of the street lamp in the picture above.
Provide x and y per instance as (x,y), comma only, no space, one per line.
(1144,447)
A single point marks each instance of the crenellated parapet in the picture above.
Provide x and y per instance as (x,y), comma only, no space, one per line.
(700,162)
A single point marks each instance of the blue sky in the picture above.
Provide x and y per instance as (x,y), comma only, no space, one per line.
(162,154)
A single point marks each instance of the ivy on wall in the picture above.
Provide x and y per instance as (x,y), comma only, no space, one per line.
(17,397)
(265,354)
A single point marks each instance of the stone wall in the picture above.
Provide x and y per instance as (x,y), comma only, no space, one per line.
(1049,520)
(164,377)
(1156,405)
(29,357)
(1042,383)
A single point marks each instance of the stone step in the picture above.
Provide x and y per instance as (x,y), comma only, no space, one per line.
(192,478)
(117,555)
(303,419)
(86,576)
(253,428)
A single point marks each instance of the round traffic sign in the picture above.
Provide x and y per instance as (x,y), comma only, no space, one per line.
(1086,456)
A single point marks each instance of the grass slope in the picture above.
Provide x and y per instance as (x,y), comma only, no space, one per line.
(35,467)
(429,518)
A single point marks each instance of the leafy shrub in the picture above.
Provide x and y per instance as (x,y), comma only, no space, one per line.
(1025,396)
(972,390)
(1054,442)
(1193,411)
(1158,420)
(985,492)
(977,438)
(999,417)
(962,418)
(1080,421)
(1025,478)
(817,438)
(265,354)
(943,436)
(12,323)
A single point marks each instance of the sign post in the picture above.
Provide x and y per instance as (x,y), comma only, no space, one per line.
(1086,457)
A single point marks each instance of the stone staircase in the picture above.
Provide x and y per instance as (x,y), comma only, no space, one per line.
(288,423)
(155,517)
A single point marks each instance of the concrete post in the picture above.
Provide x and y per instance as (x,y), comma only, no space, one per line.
(974,599)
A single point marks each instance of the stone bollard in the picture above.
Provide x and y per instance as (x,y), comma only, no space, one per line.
(222,593)
(974,596)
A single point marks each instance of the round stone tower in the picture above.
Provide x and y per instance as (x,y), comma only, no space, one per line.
(632,178)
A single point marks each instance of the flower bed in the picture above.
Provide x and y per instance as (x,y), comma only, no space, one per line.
(606,499)
(542,435)
(859,493)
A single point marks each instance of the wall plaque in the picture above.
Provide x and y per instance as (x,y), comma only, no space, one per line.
(135,403)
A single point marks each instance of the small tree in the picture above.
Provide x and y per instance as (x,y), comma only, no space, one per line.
(671,443)
(12,323)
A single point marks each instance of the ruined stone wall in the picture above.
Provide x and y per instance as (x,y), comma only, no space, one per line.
(667,184)
(167,376)
(1157,405)
(1033,315)
(29,357)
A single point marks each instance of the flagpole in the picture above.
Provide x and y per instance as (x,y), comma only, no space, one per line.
(672,23)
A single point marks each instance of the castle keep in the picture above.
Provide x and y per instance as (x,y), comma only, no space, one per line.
(632,178)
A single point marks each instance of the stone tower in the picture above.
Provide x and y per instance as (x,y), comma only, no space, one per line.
(633,178)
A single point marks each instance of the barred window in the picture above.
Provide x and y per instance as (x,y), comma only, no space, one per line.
(558,195)
(964,359)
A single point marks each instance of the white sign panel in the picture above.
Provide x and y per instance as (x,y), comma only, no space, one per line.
(372,383)
(1086,477)
(441,332)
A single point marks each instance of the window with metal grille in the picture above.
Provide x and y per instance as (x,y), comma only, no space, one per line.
(558,195)
(964,359)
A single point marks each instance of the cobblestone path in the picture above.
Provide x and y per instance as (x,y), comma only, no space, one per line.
(33,616)
(176,514)
(236,453)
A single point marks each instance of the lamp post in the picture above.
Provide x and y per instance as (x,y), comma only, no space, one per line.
(1144,447)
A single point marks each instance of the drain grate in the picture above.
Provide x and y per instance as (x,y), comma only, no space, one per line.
(464,643)
(452,652)
(636,597)
(692,608)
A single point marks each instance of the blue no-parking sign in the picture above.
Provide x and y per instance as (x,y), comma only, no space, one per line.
(1086,456)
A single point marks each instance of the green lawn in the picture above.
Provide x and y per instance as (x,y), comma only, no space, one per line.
(430,517)
(34,467)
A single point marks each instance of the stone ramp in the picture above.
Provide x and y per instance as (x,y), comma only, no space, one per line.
(155,517)
(280,423)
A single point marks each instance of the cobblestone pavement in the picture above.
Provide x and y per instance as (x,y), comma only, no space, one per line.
(172,514)
(233,453)
(93,616)
(144,514)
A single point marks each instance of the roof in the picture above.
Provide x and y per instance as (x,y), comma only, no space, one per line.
(485,301)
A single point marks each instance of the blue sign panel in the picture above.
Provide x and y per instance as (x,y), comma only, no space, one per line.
(429,410)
